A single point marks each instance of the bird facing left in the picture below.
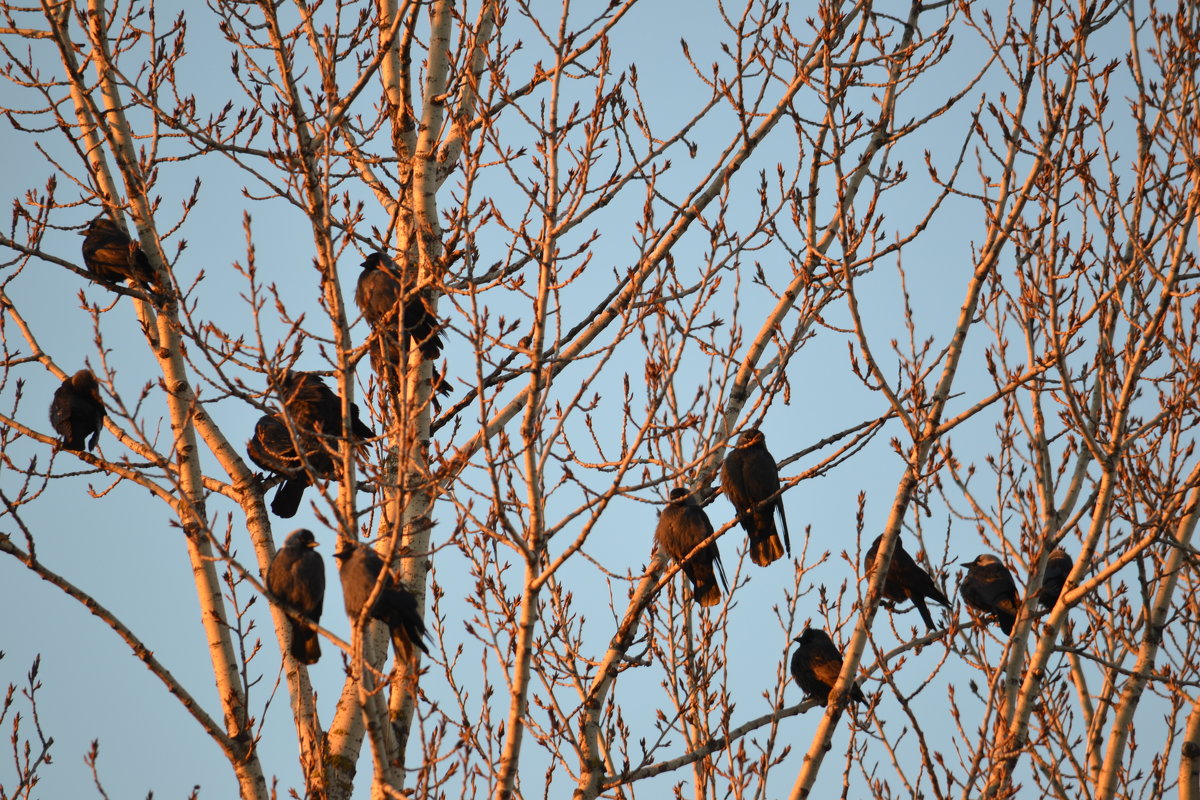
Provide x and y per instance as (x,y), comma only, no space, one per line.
(110,255)
(816,665)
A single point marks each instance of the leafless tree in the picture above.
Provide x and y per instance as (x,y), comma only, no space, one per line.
(943,253)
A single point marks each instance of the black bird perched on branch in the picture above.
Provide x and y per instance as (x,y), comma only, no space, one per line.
(77,412)
(360,567)
(315,407)
(315,412)
(391,304)
(816,665)
(110,255)
(389,300)
(988,587)
(749,476)
(296,579)
(905,580)
(1058,567)
(273,450)
(681,526)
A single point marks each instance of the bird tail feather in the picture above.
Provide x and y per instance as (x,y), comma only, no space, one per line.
(765,550)
(306,645)
(707,593)
(919,602)
(287,498)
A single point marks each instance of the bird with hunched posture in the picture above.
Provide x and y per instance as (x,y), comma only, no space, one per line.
(110,255)
(683,525)
(77,412)
(307,450)
(1058,567)
(273,450)
(389,300)
(296,579)
(749,477)
(816,665)
(988,587)
(360,569)
(905,580)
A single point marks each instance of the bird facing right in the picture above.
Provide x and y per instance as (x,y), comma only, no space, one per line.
(77,412)
(988,587)
(360,568)
(296,579)
(905,580)
(683,525)
(749,477)
(816,665)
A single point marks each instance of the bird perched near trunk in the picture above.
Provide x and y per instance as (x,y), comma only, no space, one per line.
(391,305)
(749,477)
(360,568)
(273,449)
(110,255)
(681,526)
(309,449)
(988,587)
(905,580)
(1058,567)
(296,579)
(816,665)
(390,302)
(77,412)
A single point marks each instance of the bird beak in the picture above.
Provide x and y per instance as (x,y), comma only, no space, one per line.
(313,543)
(967,564)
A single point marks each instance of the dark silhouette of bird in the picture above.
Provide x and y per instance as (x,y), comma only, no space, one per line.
(988,587)
(681,526)
(1058,567)
(360,567)
(816,665)
(749,476)
(316,408)
(273,450)
(110,255)
(389,300)
(905,580)
(77,412)
(309,450)
(296,579)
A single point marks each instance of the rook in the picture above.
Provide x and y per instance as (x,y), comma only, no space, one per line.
(750,476)
(905,580)
(816,665)
(681,526)
(110,255)
(315,413)
(360,568)
(1058,567)
(296,579)
(988,587)
(77,412)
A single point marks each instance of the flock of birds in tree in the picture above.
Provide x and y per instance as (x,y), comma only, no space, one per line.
(750,481)
(299,445)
